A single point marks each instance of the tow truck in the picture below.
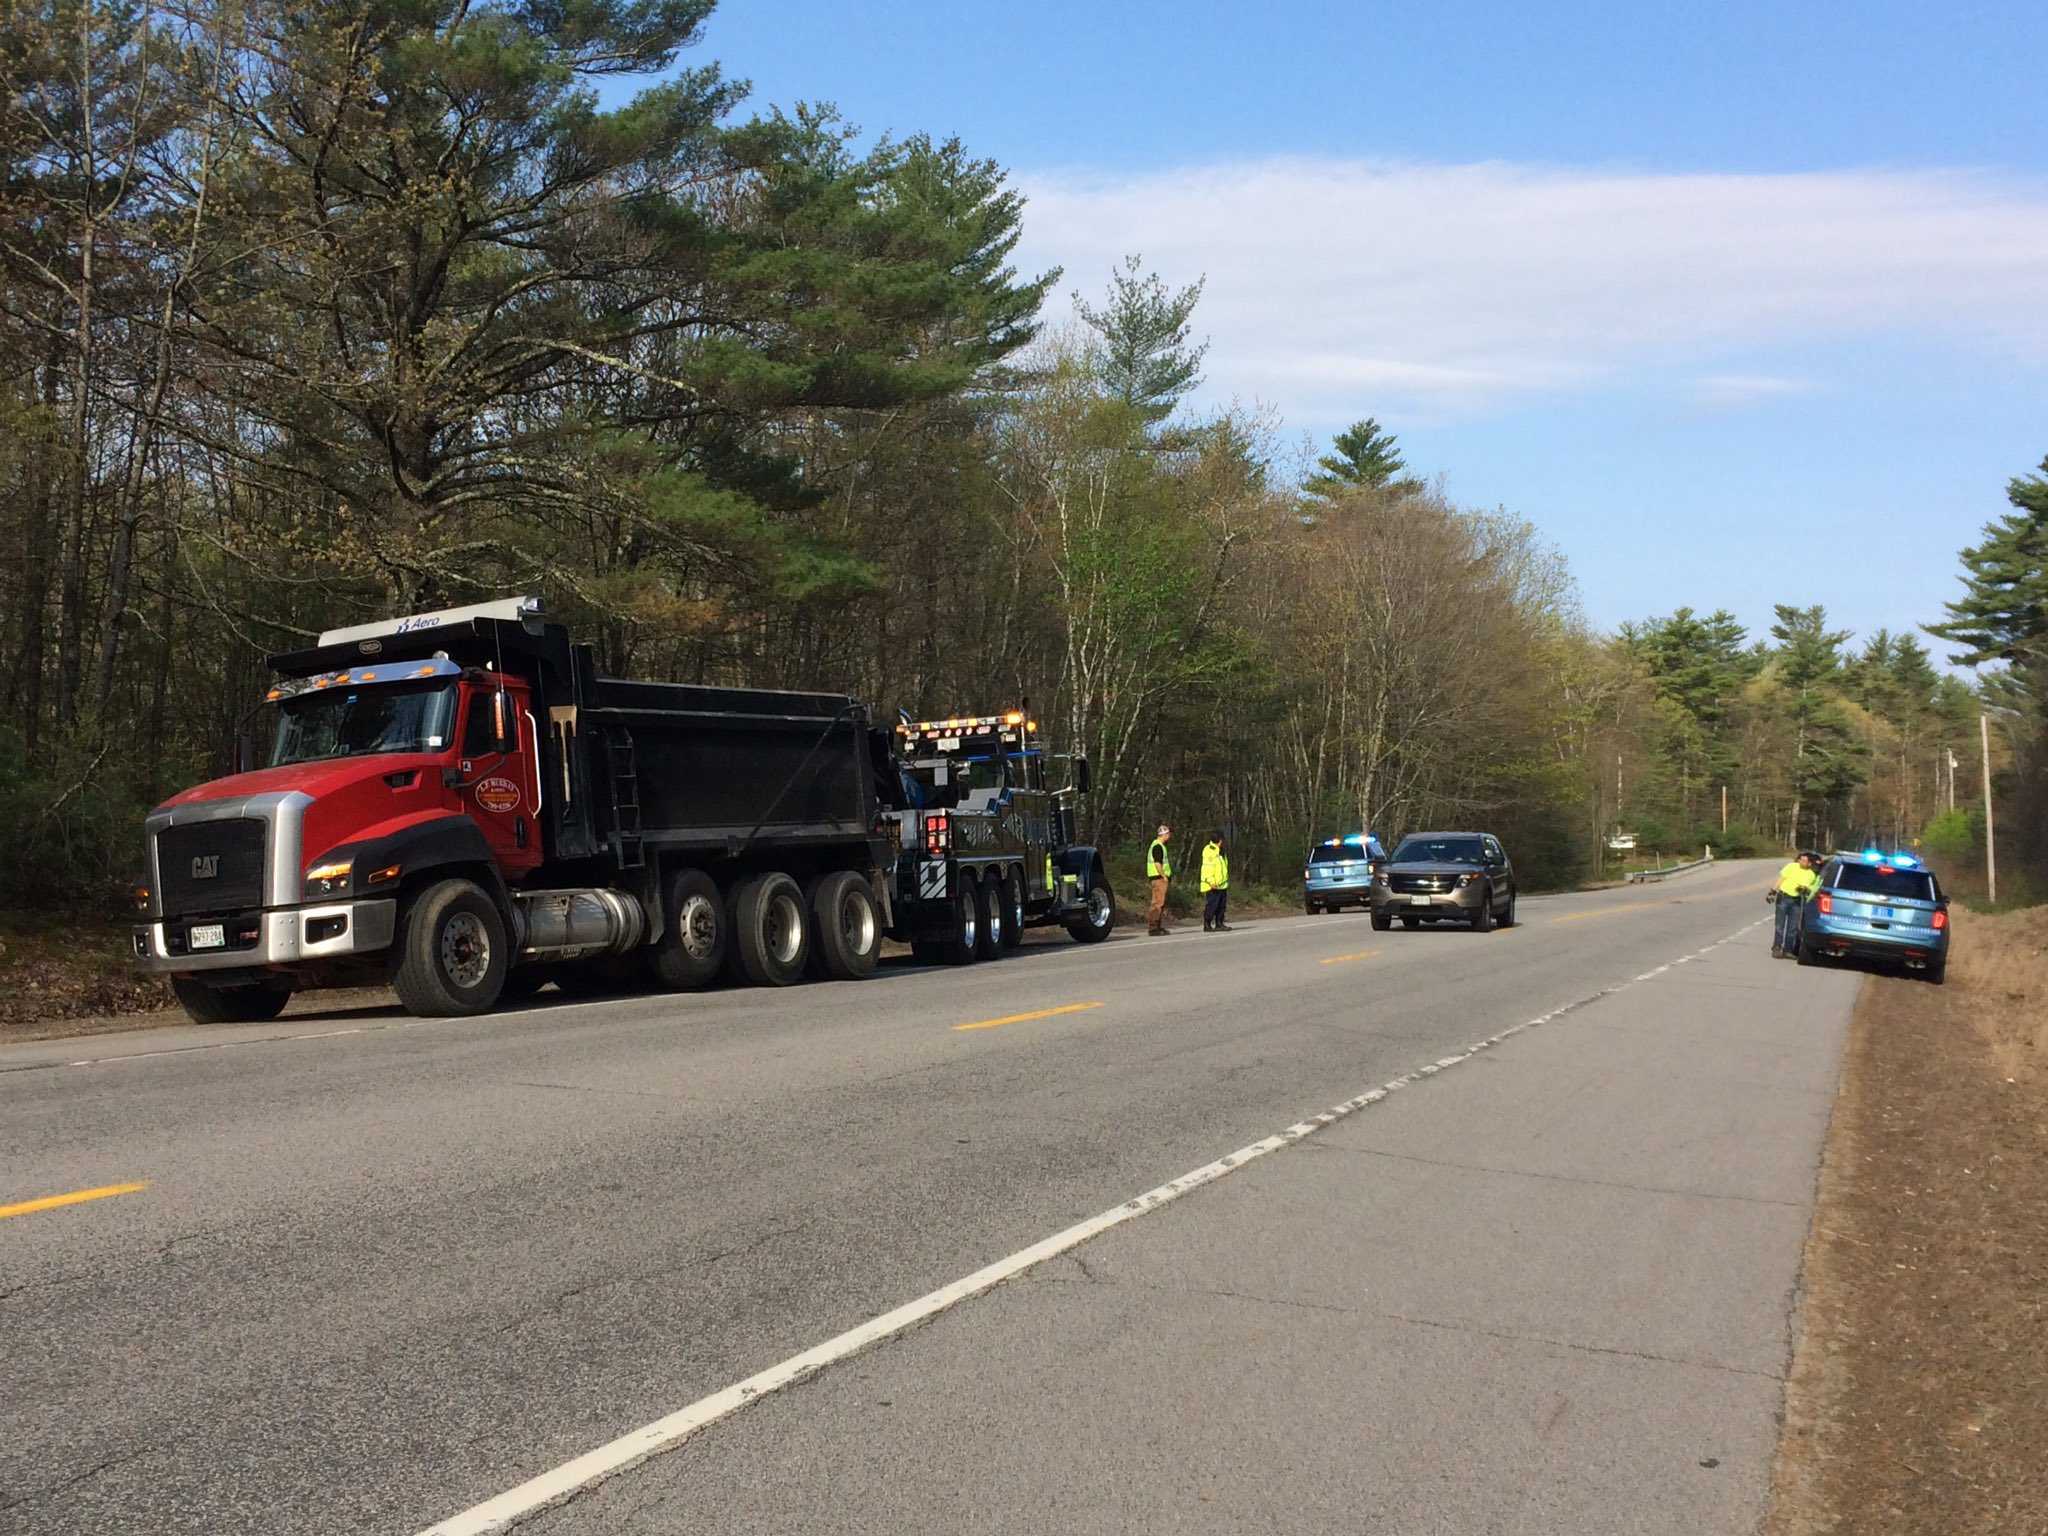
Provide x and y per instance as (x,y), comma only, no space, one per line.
(457,803)
(985,849)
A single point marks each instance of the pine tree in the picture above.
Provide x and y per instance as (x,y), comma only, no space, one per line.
(2003,614)
(1363,456)
(1142,355)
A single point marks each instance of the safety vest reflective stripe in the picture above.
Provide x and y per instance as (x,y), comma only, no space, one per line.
(1157,865)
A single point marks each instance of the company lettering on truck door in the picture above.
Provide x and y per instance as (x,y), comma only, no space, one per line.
(503,790)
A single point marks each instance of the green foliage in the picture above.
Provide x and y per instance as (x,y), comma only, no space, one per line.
(1142,355)
(2003,613)
(1954,837)
(1362,457)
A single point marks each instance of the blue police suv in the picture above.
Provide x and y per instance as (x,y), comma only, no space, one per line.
(1338,872)
(1878,906)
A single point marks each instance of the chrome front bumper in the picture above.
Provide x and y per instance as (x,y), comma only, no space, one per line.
(282,939)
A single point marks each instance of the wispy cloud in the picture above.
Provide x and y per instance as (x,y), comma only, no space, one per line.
(1337,287)
(1730,390)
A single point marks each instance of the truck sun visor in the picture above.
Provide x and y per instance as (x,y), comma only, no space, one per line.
(385,672)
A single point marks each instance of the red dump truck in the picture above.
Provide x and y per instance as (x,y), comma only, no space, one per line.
(458,804)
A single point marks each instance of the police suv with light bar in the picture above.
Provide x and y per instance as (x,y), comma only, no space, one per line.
(1874,905)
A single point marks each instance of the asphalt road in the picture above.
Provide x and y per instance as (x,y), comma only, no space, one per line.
(381,1270)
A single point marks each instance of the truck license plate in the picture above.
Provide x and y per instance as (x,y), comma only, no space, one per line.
(208,936)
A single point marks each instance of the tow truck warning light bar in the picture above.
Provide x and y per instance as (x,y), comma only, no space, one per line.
(972,725)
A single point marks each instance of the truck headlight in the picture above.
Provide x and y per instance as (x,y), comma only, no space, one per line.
(329,878)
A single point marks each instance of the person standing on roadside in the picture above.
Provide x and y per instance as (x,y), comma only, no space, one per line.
(1215,885)
(1796,881)
(1159,870)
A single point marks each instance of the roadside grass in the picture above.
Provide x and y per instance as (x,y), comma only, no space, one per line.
(1915,1402)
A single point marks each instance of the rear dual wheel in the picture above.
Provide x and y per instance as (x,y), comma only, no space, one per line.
(771,931)
(698,933)
(846,927)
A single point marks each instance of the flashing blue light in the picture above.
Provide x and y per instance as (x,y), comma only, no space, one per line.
(1873,855)
(1357,838)
(1905,861)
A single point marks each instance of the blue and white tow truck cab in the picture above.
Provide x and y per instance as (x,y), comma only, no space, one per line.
(1874,905)
(1338,872)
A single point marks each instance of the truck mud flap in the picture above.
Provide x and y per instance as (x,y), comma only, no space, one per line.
(931,879)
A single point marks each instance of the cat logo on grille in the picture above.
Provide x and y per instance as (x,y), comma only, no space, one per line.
(206,866)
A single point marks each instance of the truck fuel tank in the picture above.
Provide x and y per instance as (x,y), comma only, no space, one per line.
(569,925)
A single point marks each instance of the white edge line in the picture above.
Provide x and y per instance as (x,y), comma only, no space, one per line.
(630,1449)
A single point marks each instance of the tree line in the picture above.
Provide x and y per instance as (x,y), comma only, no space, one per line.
(321,313)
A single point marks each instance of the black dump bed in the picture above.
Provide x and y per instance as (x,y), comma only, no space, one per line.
(715,764)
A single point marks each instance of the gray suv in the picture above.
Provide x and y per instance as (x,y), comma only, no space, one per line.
(1445,877)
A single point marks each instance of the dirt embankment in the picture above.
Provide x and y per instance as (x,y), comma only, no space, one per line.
(1919,1394)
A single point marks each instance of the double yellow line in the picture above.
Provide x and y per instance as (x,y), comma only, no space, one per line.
(76,1197)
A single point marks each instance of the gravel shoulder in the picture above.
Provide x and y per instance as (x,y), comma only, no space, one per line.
(1915,1402)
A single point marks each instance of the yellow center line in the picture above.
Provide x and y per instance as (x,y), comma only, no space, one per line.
(1019,1018)
(1342,959)
(76,1197)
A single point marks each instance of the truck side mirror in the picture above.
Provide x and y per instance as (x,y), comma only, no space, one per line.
(1081,779)
(503,741)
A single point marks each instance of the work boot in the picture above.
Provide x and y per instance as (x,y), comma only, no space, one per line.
(1224,928)
(1777,952)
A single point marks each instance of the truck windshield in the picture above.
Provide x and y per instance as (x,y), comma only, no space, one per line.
(357,722)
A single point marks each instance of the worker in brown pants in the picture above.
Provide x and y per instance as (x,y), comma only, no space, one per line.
(1158,869)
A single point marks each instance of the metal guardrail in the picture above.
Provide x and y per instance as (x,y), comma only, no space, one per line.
(1643,876)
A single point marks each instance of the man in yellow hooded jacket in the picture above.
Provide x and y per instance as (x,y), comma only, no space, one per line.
(1215,885)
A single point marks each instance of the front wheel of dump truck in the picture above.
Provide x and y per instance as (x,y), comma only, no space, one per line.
(691,950)
(207,1004)
(846,930)
(771,930)
(453,955)
(1098,917)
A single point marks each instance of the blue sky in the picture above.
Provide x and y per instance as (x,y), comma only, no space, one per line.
(1739,303)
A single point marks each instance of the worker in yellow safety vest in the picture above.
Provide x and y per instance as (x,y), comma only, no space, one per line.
(1158,869)
(1796,881)
(1215,885)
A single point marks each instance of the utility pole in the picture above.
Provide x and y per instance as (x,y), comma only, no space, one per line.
(1951,751)
(1990,840)
(1724,812)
